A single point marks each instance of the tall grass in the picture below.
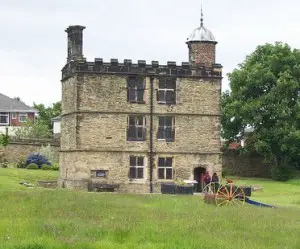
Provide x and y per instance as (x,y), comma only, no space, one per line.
(64,219)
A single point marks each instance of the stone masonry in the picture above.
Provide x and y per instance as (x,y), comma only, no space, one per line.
(138,125)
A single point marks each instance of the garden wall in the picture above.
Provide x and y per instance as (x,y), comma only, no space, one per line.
(242,165)
(233,163)
(23,147)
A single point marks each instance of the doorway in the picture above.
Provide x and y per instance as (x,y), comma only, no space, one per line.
(197,177)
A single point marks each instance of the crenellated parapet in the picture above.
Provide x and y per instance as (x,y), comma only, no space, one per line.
(141,67)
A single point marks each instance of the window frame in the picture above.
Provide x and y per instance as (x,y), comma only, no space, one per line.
(165,167)
(137,127)
(13,115)
(138,90)
(136,167)
(165,127)
(4,114)
(164,88)
(22,114)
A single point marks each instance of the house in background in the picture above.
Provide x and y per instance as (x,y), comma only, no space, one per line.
(14,113)
(56,126)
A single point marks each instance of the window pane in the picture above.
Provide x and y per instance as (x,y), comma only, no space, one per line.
(131,132)
(169,121)
(161,133)
(161,95)
(161,121)
(131,120)
(169,161)
(140,95)
(168,133)
(3,119)
(132,161)
(132,94)
(140,83)
(170,96)
(131,82)
(140,120)
(171,83)
(161,173)
(140,132)
(162,83)
(161,162)
(132,172)
(140,173)
(140,161)
(169,174)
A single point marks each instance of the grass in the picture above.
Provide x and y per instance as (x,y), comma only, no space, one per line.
(64,219)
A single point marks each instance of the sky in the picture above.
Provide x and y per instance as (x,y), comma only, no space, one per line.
(33,44)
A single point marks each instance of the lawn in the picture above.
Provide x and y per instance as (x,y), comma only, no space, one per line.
(63,219)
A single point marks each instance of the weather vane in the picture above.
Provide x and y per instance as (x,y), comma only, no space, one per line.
(201,20)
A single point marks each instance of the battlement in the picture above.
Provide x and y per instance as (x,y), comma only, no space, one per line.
(141,68)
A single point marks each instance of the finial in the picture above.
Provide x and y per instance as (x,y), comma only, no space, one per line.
(201,20)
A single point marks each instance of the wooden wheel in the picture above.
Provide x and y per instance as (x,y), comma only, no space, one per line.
(230,195)
(211,188)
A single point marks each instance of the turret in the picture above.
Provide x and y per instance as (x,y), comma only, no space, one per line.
(202,46)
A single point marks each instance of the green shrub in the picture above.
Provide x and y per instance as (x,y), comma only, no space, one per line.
(21,162)
(49,152)
(55,166)
(46,167)
(32,166)
(282,172)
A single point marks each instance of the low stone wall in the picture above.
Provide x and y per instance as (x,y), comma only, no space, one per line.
(245,165)
(19,148)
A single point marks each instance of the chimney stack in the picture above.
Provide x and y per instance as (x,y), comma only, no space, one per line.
(75,42)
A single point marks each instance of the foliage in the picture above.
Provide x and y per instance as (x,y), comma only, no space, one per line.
(49,152)
(55,167)
(4,140)
(265,95)
(46,167)
(21,161)
(47,113)
(38,159)
(32,166)
(37,130)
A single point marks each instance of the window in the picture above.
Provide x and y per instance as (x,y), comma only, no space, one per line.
(99,173)
(166,93)
(165,170)
(136,128)
(13,115)
(136,167)
(22,117)
(135,90)
(4,118)
(166,130)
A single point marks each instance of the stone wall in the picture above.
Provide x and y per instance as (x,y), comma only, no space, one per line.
(23,147)
(242,165)
(202,53)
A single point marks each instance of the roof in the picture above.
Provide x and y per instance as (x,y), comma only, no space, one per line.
(201,34)
(58,118)
(8,104)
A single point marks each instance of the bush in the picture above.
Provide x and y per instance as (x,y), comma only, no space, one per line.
(46,167)
(55,166)
(49,152)
(32,166)
(283,172)
(38,159)
(21,162)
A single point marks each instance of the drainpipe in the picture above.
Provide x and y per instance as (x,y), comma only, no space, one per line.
(151,133)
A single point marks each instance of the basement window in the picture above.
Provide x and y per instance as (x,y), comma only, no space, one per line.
(99,173)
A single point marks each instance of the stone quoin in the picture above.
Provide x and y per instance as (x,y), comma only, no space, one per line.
(137,125)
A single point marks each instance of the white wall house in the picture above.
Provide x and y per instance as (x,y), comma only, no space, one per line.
(56,126)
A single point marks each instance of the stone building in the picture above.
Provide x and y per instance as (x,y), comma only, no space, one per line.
(137,125)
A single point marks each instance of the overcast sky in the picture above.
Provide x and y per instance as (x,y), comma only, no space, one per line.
(33,44)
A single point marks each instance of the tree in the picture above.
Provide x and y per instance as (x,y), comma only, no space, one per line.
(47,113)
(38,130)
(265,92)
